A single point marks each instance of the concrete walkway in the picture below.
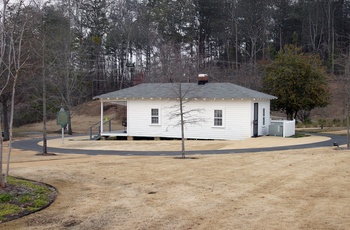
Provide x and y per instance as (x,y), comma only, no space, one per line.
(33,145)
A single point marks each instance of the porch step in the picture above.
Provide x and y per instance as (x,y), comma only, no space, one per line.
(96,128)
(97,137)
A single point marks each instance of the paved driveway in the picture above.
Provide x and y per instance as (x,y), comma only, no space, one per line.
(33,145)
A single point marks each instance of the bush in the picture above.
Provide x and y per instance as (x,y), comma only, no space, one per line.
(5,197)
(336,122)
(321,122)
(307,121)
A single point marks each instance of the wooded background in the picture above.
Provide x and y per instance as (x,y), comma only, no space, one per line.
(72,50)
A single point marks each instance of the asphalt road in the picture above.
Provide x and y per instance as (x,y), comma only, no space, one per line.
(32,145)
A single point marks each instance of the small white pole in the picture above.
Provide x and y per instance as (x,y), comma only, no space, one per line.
(62,135)
(101,116)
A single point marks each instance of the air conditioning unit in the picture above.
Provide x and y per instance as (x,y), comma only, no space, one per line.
(276,130)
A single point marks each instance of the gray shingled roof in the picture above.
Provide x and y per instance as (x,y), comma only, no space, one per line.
(192,90)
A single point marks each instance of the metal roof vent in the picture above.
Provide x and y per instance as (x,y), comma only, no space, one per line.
(203,79)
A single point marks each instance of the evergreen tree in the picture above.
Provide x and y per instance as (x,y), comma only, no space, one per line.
(298,80)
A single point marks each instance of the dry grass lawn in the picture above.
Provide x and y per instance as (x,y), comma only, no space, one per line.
(295,189)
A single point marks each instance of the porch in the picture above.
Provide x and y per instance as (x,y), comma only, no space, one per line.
(97,133)
(109,126)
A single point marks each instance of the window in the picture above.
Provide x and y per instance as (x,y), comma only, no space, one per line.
(264,116)
(217,117)
(154,116)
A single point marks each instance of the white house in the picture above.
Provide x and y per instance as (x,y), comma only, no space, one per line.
(222,111)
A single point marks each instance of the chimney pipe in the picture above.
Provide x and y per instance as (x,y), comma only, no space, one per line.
(203,79)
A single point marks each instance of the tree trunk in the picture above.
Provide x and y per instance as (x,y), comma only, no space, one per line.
(236,53)
(11,125)
(70,130)
(5,119)
(289,114)
(201,48)
(148,63)
(2,55)
(182,125)
(44,100)
(329,30)
(68,55)
(347,130)
(295,115)
(17,67)
(2,179)
(44,115)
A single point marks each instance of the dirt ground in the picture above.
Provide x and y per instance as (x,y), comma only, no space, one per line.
(294,189)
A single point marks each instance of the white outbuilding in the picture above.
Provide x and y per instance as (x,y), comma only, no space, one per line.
(220,111)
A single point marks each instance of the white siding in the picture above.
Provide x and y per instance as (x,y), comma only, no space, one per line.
(236,119)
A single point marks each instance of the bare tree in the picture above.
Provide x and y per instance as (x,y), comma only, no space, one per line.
(182,112)
(344,92)
(66,84)
(14,62)
(341,96)
(40,49)
(2,56)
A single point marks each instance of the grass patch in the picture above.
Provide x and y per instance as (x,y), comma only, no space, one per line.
(299,135)
(22,197)
(5,197)
(25,198)
(8,210)
(319,130)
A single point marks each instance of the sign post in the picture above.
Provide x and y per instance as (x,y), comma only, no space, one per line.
(63,120)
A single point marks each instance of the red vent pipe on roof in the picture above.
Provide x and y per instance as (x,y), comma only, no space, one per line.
(203,79)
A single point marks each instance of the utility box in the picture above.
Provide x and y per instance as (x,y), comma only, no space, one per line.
(282,128)
(276,130)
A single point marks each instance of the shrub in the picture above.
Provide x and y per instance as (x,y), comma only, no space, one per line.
(5,197)
(336,122)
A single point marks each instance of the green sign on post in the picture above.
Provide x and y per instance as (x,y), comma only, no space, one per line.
(62,120)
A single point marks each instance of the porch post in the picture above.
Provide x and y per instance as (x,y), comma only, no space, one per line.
(101,115)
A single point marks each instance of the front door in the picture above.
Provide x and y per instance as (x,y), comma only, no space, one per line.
(255,121)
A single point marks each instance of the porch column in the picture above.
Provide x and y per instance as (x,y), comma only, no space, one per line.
(101,115)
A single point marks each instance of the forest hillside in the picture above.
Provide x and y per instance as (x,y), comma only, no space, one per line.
(60,54)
